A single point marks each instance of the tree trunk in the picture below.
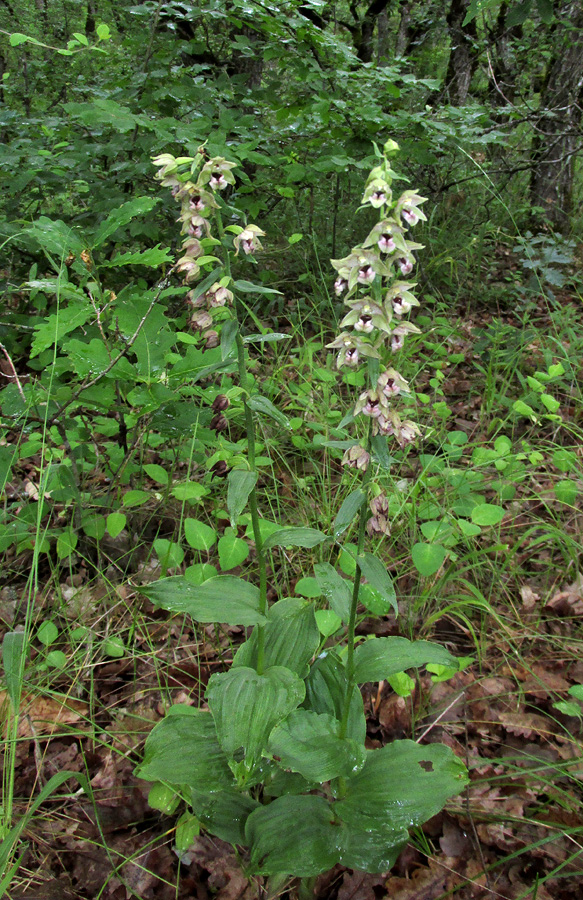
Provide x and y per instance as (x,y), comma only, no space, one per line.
(383,38)
(463,56)
(558,137)
(503,71)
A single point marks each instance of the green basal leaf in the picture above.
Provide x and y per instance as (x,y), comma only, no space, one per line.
(369,850)
(224,813)
(183,749)
(291,638)
(246,707)
(240,484)
(487,514)
(379,657)
(377,576)
(295,537)
(428,558)
(281,783)
(336,589)
(328,622)
(224,598)
(308,743)
(326,692)
(293,835)
(401,785)
(233,550)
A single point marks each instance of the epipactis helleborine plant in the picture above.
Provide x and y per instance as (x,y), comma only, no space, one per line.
(276,763)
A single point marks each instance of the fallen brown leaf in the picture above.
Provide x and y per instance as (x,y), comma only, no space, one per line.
(42,715)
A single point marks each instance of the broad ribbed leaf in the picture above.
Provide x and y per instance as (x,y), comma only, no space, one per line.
(264,406)
(294,537)
(377,658)
(224,813)
(401,785)
(291,638)
(183,749)
(240,484)
(347,512)
(336,589)
(370,850)
(247,707)
(293,835)
(308,743)
(224,598)
(326,691)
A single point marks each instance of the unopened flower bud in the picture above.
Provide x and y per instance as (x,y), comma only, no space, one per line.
(379,505)
(408,432)
(220,469)
(218,296)
(212,339)
(356,457)
(200,320)
(198,302)
(220,403)
(219,423)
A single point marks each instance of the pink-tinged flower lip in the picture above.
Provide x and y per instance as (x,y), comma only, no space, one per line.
(351,356)
(391,387)
(365,324)
(372,408)
(410,216)
(379,196)
(386,243)
(366,274)
(340,285)
(405,265)
(397,342)
(197,203)
(217,180)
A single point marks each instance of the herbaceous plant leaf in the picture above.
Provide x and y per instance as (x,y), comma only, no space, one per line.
(183,749)
(247,706)
(379,657)
(401,785)
(335,588)
(295,537)
(291,637)
(240,484)
(293,835)
(224,598)
(308,743)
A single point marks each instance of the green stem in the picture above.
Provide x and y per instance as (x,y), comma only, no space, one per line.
(250,429)
(350,682)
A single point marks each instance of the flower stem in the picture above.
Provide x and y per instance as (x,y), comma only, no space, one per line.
(250,430)
(350,682)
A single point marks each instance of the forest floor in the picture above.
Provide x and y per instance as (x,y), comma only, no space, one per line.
(516,833)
